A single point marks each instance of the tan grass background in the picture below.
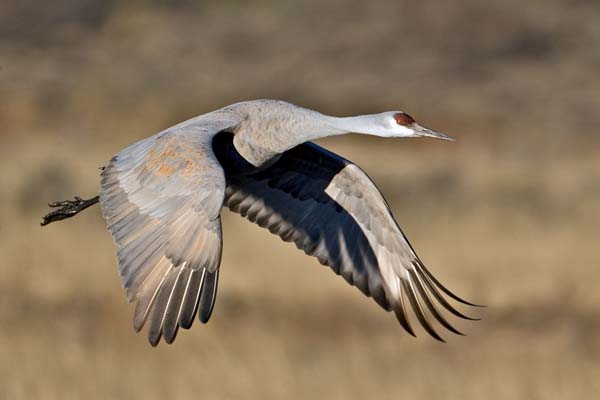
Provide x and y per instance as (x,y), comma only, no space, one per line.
(508,215)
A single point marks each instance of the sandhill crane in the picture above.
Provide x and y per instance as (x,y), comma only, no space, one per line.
(162,198)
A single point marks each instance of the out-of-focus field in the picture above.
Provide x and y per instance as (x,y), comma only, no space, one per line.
(508,216)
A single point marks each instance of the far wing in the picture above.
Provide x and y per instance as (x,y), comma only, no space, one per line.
(162,198)
(332,210)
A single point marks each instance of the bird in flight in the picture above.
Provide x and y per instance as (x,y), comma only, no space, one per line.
(162,198)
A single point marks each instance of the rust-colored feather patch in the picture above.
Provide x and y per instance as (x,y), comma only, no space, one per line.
(403,119)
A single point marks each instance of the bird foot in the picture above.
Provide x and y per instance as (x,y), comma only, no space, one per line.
(69,208)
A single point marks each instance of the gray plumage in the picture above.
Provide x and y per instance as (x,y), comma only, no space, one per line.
(163,195)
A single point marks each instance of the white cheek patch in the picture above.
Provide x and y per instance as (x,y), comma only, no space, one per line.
(404,131)
(389,128)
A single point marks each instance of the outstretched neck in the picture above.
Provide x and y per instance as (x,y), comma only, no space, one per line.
(270,129)
(331,126)
(365,124)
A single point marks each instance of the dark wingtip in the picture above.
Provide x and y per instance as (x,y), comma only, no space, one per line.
(153,340)
(430,305)
(208,295)
(187,324)
(190,305)
(402,316)
(404,322)
(171,338)
(443,288)
(437,337)
(418,309)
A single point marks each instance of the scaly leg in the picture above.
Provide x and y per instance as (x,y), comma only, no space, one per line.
(69,208)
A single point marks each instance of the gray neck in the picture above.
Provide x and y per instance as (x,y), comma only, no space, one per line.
(271,128)
(311,125)
(365,124)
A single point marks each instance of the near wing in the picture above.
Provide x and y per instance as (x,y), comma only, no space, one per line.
(332,210)
(162,199)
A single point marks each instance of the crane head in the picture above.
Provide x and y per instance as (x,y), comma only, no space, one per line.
(400,124)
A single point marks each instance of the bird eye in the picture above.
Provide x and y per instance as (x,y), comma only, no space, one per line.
(403,119)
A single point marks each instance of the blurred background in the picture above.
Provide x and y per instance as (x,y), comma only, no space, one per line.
(507,216)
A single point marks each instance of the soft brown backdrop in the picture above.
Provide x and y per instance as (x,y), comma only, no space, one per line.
(508,215)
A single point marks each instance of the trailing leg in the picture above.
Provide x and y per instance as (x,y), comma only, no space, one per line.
(69,208)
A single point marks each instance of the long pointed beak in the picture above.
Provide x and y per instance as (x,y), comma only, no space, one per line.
(422,131)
